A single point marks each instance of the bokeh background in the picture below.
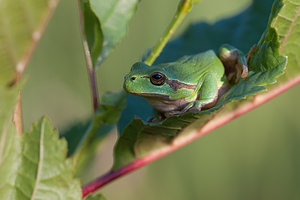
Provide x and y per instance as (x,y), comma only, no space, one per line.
(253,157)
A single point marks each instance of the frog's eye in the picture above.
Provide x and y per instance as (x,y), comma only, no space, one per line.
(157,78)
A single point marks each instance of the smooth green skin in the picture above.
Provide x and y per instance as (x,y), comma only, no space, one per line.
(193,82)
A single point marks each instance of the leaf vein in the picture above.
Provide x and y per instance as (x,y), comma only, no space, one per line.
(29,159)
(285,17)
(295,3)
(20,189)
(110,12)
(23,175)
(40,163)
(290,30)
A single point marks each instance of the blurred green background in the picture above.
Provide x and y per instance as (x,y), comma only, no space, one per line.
(253,157)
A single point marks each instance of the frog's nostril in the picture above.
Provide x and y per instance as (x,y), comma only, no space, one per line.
(133,78)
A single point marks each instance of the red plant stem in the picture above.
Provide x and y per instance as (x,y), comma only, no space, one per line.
(210,126)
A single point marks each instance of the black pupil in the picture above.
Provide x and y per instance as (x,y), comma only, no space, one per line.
(156,76)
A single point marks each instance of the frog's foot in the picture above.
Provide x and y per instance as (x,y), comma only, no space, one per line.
(235,63)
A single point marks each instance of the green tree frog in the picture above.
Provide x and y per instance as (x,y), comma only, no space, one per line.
(189,84)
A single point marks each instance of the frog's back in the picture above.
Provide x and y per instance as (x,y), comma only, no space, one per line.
(191,68)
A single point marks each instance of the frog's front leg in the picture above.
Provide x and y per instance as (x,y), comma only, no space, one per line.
(207,94)
(235,63)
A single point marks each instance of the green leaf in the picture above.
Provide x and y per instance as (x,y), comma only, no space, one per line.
(10,150)
(111,107)
(73,135)
(140,138)
(76,135)
(84,138)
(287,24)
(34,166)
(8,100)
(95,197)
(21,25)
(108,113)
(105,24)
(266,57)
(9,141)
(135,106)
(93,32)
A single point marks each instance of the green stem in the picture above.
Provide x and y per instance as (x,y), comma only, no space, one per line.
(86,141)
(183,8)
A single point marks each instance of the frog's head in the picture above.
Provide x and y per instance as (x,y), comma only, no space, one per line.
(150,81)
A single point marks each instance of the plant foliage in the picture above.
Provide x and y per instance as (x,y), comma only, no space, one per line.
(140,137)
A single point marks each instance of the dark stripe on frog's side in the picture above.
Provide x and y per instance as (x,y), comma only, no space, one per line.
(176,85)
